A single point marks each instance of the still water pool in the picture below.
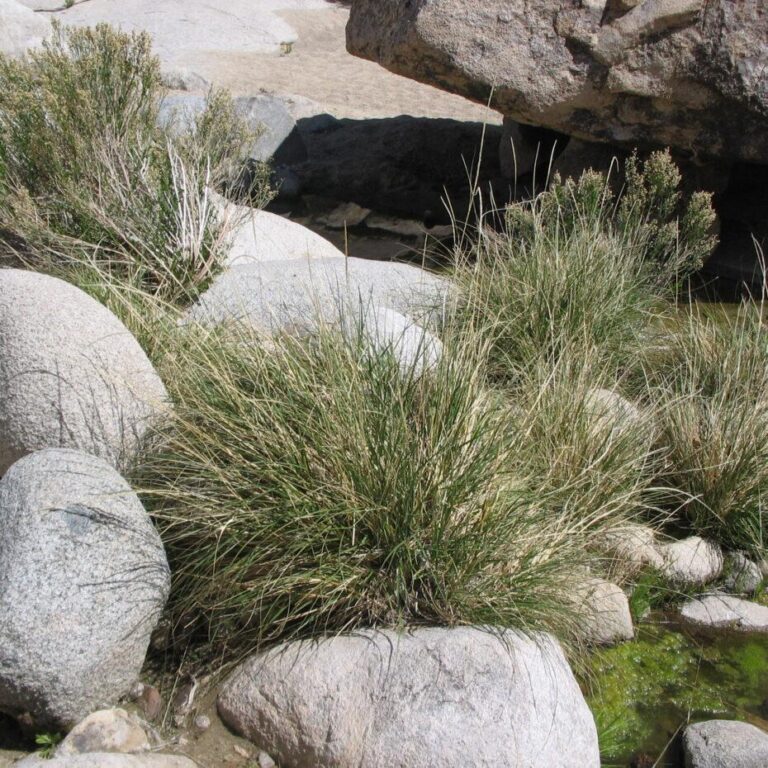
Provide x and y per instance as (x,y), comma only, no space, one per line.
(644,692)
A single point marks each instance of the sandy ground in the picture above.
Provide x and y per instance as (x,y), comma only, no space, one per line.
(318,67)
(291,47)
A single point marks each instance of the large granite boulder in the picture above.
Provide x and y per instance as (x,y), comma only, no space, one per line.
(71,374)
(283,295)
(372,303)
(432,697)
(84,578)
(689,74)
(20,28)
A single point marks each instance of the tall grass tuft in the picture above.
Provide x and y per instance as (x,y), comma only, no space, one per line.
(576,269)
(708,382)
(590,453)
(305,488)
(87,175)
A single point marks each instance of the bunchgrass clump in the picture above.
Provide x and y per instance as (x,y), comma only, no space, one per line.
(88,175)
(577,269)
(708,383)
(590,452)
(305,487)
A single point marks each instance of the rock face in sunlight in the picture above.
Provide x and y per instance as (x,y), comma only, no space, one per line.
(84,578)
(447,697)
(682,73)
(71,374)
(20,28)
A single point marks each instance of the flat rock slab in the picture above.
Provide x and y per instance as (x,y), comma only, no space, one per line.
(290,47)
(725,744)
(433,697)
(182,29)
(726,611)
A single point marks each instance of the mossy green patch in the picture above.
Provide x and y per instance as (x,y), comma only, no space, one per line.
(641,692)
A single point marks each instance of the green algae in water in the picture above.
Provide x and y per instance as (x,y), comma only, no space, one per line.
(643,691)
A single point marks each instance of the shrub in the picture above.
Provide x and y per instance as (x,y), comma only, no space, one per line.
(674,231)
(576,268)
(86,174)
(304,488)
(709,384)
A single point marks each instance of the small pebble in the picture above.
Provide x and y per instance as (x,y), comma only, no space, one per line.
(185,695)
(150,702)
(202,722)
(265,761)
(136,691)
(242,751)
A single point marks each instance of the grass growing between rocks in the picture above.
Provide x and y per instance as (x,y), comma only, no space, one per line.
(586,456)
(310,487)
(576,269)
(306,488)
(581,274)
(708,383)
(87,175)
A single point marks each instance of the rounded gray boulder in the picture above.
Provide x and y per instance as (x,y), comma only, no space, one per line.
(691,562)
(725,744)
(277,296)
(447,697)
(71,374)
(84,578)
(372,302)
